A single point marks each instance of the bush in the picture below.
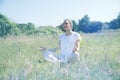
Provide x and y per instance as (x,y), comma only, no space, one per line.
(48,30)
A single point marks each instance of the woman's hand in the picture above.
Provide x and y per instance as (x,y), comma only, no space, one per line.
(75,50)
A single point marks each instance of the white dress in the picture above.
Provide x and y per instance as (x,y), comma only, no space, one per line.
(67,44)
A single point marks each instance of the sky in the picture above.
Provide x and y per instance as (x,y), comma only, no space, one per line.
(53,12)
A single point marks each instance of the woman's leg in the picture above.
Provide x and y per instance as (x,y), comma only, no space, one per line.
(74,57)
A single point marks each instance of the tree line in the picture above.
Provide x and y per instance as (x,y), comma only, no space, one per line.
(8,27)
(88,26)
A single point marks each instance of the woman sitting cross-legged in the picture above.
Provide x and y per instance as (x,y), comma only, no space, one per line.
(68,44)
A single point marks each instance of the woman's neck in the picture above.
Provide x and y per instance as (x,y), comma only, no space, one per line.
(68,33)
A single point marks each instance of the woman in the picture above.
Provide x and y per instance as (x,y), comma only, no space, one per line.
(69,43)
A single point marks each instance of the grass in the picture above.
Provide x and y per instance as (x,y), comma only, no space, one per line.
(20,58)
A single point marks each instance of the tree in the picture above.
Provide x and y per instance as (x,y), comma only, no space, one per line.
(7,27)
(105,26)
(118,20)
(83,23)
(31,26)
(115,23)
(94,26)
(26,27)
(75,26)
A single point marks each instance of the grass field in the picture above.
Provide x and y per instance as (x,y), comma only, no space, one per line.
(20,58)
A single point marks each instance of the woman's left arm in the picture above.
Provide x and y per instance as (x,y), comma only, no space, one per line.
(77,45)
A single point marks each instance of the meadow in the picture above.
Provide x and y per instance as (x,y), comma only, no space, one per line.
(20,58)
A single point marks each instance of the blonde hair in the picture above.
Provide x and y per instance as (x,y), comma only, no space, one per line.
(70,21)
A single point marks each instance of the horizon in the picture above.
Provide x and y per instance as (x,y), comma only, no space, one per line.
(52,12)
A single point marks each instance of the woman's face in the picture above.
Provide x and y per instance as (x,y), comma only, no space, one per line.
(66,25)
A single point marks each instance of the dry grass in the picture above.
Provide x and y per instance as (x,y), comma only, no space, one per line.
(20,58)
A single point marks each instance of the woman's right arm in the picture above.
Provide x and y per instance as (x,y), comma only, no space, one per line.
(58,46)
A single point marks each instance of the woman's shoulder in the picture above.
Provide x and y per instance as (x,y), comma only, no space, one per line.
(77,35)
(62,35)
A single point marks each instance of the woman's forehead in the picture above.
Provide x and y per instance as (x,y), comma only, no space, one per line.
(66,21)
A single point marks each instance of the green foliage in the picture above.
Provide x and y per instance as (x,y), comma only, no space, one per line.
(105,26)
(75,26)
(94,27)
(115,23)
(45,30)
(26,27)
(83,23)
(7,27)
(118,19)
(87,26)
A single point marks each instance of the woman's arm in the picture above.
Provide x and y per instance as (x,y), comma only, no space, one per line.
(77,45)
(58,46)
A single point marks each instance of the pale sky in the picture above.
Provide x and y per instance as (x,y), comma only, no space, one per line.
(53,12)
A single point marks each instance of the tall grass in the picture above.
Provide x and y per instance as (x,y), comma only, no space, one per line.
(20,58)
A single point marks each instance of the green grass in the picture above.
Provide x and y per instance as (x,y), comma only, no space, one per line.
(20,58)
